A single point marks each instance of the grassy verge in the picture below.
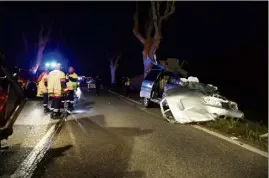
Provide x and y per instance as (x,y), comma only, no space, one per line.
(245,130)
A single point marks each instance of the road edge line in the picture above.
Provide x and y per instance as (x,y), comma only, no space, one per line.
(29,164)
(213,133)
(241,144)
(124,97)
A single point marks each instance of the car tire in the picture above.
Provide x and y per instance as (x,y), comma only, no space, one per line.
(146,102)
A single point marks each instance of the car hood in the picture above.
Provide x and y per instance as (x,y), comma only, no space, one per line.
(187,105)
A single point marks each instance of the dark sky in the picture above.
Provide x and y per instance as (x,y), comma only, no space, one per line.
(225,43)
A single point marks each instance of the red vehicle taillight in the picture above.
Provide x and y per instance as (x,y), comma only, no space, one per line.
(3,100)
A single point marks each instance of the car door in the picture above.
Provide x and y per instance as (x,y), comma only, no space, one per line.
(148,83)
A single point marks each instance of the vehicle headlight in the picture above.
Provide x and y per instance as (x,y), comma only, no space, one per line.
(212,101)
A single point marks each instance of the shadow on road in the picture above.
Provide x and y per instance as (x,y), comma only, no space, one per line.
(9,159)
(96,151)
(51,156)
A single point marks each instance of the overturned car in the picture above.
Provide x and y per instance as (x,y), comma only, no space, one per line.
(185,100)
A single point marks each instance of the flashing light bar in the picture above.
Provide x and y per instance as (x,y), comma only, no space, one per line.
(51,64)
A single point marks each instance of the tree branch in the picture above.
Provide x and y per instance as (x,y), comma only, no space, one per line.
(136,18)
(139,36)
(25,42)
(47,37)
(136,26)
(117,60)
(170,9)
(154,16)
(149,25)
(41,33)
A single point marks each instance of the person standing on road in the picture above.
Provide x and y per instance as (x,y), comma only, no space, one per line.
(71,82)
(56,88)
(42,89)
(97,84)
(126,86)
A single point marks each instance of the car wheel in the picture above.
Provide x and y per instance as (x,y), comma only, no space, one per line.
(146,102)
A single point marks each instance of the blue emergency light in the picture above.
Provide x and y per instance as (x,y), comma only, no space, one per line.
(51,64)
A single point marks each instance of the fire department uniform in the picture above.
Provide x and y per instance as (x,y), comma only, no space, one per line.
(42,89)
(71,82)
(56,89)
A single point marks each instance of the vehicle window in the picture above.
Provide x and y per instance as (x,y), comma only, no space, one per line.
(153,75)
(173,80)
(201,87)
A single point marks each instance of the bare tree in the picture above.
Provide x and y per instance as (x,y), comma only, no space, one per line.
(114,63)
(25,43)
(42,42)
(154,24)
(62,39)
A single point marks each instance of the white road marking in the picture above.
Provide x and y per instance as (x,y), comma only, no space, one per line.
(238,143)
(28,166)
(246,146)
(125,97)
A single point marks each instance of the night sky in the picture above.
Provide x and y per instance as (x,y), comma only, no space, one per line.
(225,43)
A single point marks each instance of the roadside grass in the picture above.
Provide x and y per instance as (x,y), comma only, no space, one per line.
(242,129)
(245,130)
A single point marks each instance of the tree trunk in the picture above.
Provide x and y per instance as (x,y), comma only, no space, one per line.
(147,66)
(39,57)
(113,74)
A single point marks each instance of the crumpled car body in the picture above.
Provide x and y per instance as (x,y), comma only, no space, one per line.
(189,104)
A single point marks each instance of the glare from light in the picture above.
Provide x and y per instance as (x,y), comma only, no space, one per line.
(80,111)
(53,64)
(47,64)
(36,112)
(78,92)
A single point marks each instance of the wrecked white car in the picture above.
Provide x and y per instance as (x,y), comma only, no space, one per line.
(185,100)
(197,102)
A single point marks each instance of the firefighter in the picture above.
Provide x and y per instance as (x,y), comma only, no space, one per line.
(71,82)
(56,88)
(42,89)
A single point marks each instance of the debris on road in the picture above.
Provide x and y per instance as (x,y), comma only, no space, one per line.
(234,138)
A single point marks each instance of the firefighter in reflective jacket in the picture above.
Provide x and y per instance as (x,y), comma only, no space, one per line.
(71,82)
(42,89)
(56,88)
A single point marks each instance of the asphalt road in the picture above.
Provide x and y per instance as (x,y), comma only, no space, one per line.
(108,137)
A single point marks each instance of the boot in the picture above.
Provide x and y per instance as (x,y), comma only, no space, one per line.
(71,108)
(53,115)
(46,110)
(3,144)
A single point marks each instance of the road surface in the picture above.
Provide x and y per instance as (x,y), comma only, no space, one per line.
(108,137)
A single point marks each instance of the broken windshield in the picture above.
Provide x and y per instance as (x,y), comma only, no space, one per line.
(205,88)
